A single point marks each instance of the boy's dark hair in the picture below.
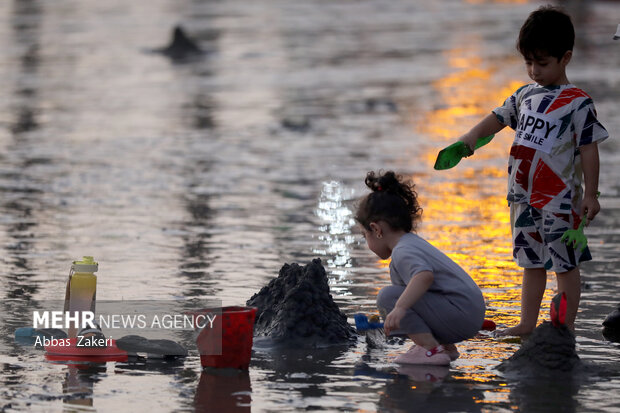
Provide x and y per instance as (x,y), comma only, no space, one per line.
(547,31)
(392,200)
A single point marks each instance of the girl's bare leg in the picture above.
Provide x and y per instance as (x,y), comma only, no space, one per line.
(426,340)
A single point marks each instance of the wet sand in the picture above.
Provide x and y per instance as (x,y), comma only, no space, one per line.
(198,180)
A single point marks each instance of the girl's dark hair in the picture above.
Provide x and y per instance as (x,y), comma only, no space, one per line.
(392,200)
(547,30)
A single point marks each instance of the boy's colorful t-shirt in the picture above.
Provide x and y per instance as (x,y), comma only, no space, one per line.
(551,123)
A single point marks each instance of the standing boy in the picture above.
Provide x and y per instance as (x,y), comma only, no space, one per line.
(555,144)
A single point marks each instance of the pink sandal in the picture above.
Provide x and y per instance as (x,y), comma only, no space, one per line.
(419,355)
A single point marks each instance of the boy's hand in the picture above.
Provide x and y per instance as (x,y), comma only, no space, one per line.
(450,156)
(470,144)
(392,321)
(590,205)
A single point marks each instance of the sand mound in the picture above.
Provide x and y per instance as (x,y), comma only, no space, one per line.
(548,350)
(296,308)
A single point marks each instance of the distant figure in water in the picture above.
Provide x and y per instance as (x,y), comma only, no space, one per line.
(181,47)
(432,299)
(611,326)
(555,149)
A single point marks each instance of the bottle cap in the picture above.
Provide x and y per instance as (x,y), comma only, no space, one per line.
(87,264)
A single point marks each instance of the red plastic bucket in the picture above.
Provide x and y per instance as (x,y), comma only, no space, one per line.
(228,342)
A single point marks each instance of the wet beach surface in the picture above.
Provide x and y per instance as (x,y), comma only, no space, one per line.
(198,179)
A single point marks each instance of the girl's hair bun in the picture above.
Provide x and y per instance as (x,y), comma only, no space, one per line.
(392,199)
(388,182)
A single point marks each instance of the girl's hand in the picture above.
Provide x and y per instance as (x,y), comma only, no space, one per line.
(392,321)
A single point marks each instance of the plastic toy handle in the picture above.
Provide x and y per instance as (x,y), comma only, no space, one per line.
(582,224)
(576,237)
(483,141)
(450,156)
(362,323)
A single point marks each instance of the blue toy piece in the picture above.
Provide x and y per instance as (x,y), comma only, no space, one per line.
(30,332)
(25,332)
(362,323)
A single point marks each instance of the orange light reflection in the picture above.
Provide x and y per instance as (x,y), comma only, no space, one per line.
(465,211)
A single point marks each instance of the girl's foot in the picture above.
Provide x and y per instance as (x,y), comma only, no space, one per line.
(517,330)
(451,351)
(419,355)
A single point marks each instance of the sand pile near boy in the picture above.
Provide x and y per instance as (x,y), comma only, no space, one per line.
(296,308)
(549,349)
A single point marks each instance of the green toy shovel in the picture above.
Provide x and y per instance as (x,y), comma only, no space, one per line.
(449,157)
(576,237)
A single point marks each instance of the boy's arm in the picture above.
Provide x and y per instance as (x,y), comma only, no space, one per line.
(487,126)
(415,289)
(590,166)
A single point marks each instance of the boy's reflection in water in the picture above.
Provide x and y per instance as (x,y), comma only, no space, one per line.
(79,382)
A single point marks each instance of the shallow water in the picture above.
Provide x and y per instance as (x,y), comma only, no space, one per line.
(200,179)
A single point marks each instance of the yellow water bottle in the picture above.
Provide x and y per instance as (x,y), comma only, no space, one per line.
(82,289)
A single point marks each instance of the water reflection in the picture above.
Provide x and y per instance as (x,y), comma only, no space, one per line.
(432,388)
(465,210)
(20,196)
(195,260)
(224,391)
(536,394)
(200,105)
(336,230)
(27,20)
(20,193)
(425,389)
(210,175)
(79,383)
(306,371)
